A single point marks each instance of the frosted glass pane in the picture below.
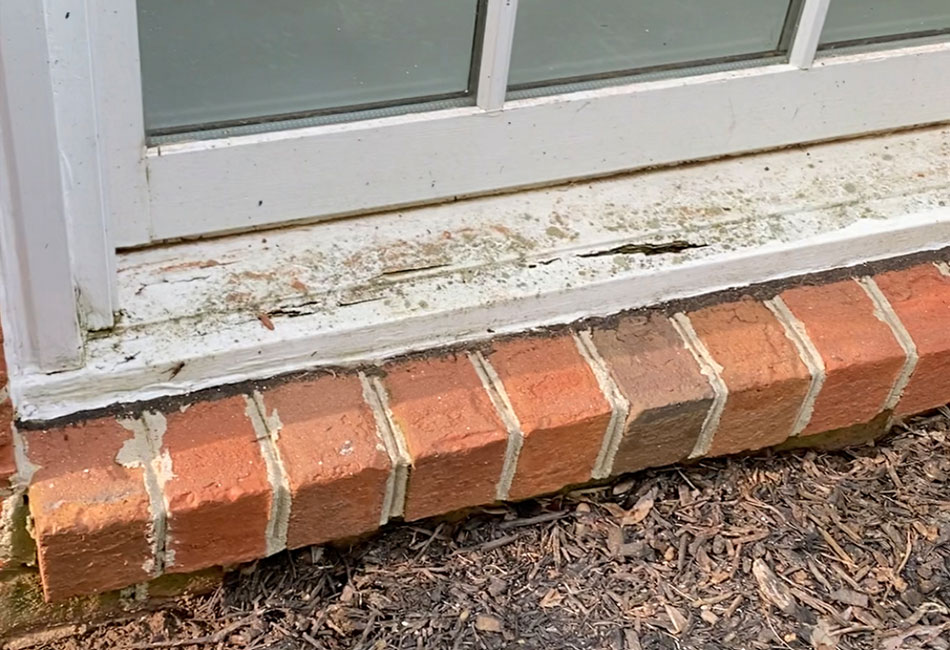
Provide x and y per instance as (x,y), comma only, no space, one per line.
(213,61)
(850,20)
(561,39)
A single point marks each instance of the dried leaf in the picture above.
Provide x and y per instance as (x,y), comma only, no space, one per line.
(708,616)
(485,623)
(850,597)
(677,619)
(640,511)
(623,486)
(773,589)
(632,639)
(614,541)
(551,599)
(930,631)
(821,638)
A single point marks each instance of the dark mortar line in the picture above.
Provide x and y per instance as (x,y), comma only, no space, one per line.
(759,291)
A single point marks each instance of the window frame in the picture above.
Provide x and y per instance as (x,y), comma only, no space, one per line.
(77,179)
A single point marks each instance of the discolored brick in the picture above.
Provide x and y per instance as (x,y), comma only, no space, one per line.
(336,464)
(669,397)
(455,438)
(920,296)
(766,379)
(91,517)
(218,495)
(862,358)
(561,410)
(855,435)
(7,460)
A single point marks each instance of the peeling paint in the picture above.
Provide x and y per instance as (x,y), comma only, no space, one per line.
(267,428)
(381,285)
(144,450)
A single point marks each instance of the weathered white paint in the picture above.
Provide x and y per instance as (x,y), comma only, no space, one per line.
(114,47)
(77,131)
(808,33)
(278,520)
(360,290)
(253,180)
(496,53)
(40,320)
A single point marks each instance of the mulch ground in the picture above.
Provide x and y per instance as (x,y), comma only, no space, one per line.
(813,550)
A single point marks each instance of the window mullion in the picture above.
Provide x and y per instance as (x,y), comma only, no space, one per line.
(805,45)
(496,53)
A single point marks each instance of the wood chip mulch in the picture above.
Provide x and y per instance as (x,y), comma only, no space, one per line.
(807,550)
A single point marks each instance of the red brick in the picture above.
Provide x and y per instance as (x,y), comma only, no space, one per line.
(455,438)
(7,462)
(920,297)
(219,497)
(4,378)
(336,464)
(668,395)
(767,380)
(91,515)
(561,410)
(861,356)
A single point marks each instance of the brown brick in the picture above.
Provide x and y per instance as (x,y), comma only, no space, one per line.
(668,395)
(7,461)
(219,497)
(767,380)
(920,297)
(336,464)
(560,407)
(91,515)
(454,436)
(861,356)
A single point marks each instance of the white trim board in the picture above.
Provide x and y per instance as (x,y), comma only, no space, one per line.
(356,291)
(313,173)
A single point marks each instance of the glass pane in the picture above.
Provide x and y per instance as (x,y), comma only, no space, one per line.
(571,39)
(856,20)
(223,61)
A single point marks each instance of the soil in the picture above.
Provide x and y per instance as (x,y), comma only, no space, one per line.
(813,550)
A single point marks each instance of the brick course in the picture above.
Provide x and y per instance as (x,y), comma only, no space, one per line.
(766,379)
(668,395)
(319,458)
(455,438)
(336,465)
(920,296)
(91,515)
(862,358)
(218,497)
(560,409)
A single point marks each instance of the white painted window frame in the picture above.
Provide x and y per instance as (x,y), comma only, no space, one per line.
(78,180)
